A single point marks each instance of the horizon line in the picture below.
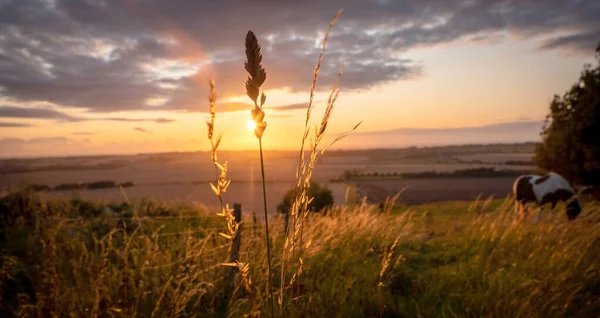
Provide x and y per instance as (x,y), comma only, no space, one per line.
(349,149)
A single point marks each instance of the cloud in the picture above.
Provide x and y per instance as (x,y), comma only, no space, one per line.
(586,41)
(492,128)
(48,113)
(497,133)
(158,121)
(5,124)
(106,56)
(140,129)
(163,120)
(280,115)
(290,107)
(83,133)
(6,141)
(36,113)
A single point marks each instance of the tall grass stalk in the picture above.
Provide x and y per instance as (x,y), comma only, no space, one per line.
(222,183)
(299,209)
(257,77)
(289,243)
(385,263)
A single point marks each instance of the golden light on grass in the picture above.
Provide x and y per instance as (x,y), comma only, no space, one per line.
(250,124)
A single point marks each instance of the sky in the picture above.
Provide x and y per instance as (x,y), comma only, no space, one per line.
(84,77)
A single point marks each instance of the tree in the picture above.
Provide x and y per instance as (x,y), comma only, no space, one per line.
(322,198)
(571,133)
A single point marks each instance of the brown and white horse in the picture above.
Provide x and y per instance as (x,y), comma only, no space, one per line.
(550,188)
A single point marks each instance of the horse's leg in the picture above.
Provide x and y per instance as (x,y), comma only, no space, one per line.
(553,212)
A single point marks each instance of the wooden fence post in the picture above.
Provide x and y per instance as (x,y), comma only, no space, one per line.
(233,257)
(255,222)
(286,220)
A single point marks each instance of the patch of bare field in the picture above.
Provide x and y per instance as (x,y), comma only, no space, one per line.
(440,189)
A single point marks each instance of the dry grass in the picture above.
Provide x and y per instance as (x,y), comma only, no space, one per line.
(299,210)
(233,226)
(449,259)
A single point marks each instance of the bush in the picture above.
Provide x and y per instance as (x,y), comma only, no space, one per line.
(322,198)
(101,185)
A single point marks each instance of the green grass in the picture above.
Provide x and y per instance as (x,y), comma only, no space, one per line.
(453,259)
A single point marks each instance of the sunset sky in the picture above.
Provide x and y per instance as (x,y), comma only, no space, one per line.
(130,76)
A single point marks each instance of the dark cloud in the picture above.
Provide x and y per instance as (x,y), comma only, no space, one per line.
(48,113)
(36,113)
(107,56)
(5,124)
(586,40)
(140,129)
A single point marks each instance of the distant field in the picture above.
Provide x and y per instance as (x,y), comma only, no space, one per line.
(497,157)
(402,168)
(434,190)
(249,194)
(185,176)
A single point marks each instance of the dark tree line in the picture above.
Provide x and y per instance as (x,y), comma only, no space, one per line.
(571,134)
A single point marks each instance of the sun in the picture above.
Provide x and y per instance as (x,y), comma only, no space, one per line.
(250,124)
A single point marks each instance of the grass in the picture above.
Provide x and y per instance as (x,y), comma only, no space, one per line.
(452,259)
(257,77)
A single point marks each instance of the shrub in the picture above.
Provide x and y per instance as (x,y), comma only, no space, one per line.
(322,198)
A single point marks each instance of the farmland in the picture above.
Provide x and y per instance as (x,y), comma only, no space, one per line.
(184,177)
(154,248)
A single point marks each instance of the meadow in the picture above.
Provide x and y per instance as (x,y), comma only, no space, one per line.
(454,259)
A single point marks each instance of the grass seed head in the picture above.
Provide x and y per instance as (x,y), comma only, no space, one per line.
(257,77)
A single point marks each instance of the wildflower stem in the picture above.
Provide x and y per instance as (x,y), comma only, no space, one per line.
(262,171)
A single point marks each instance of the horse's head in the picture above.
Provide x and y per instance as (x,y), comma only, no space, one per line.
(574,206)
